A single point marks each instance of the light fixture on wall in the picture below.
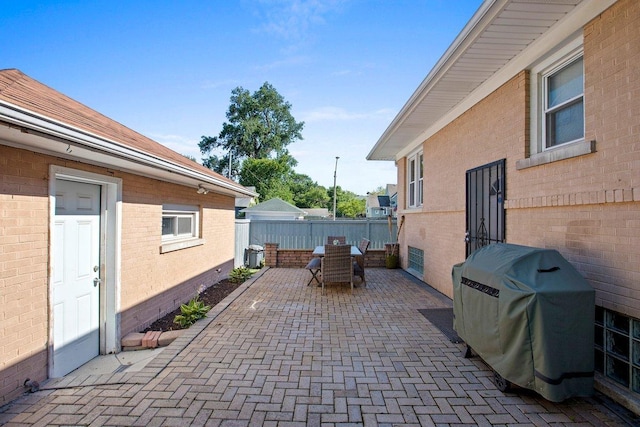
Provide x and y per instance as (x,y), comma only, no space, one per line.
(202,190)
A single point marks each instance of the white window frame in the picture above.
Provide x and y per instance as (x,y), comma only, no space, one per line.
(539,153)
(180,240)
(546,110)
(415,179)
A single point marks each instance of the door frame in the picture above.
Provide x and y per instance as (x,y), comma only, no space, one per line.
(110,256)
(490,185)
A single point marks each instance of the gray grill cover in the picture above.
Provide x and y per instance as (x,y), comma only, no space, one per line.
(529,314)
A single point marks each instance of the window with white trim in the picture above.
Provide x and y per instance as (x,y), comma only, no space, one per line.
(180,222)
(563,105)
(415,180)
(557,130)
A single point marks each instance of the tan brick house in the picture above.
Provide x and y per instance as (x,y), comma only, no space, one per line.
(527,131)
(102,231)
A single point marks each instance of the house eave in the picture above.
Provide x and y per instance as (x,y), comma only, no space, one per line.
(503,38)
(25,129)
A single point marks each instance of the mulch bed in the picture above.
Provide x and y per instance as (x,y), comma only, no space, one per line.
(211,296)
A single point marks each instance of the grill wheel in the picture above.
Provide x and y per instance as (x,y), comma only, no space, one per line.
(501,383)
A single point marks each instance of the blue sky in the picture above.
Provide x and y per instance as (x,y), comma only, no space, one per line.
(167,68)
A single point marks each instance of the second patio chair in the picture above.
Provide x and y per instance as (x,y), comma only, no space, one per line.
(314,267)
(358,264)
(337,266)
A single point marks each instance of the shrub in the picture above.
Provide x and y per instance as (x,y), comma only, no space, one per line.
(191,312)
(239,274)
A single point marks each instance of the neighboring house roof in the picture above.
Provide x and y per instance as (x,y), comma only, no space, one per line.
(274,205)
(244,202)
(317,212)
(373,200)
(392,189)
(30,110)
(502,38)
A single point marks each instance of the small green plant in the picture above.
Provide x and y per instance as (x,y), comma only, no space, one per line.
(240,274)
(191,312)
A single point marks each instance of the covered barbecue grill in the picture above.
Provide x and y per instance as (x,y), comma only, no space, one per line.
(529,314)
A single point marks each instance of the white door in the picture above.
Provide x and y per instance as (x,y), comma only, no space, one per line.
(75,293)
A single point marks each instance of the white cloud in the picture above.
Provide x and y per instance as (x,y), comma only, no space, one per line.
(178,143)
(291,19)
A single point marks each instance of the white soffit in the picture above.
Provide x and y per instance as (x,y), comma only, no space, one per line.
(499,32)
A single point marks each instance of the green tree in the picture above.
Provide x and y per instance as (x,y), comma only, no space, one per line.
(270,177)
(220,164)
(348,204)
(307,193)
(352,207)
(260,125)
(379,191)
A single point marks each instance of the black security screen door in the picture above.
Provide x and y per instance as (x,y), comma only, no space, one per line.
(485,205)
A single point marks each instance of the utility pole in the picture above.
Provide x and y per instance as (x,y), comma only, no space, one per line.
(335,171)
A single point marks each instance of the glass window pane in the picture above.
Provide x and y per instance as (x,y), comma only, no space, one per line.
(179,222)
(184,225)
(618,344)
(412,194)
(167,225)
(565,84)
(412,170)
(414,184)
(617,321)
(618,371)
(566,124)
(416,259)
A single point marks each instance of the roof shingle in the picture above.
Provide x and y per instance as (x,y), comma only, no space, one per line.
(22,91)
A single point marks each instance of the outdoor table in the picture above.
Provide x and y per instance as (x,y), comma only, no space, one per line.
(319,251)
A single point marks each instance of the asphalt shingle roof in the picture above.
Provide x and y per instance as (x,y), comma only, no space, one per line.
(274,205)
(25,92)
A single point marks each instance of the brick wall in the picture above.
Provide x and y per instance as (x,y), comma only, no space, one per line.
(298,258)
(586,207)
(491,130)
(168,278)
(589,207)
(24,228)
(152,284)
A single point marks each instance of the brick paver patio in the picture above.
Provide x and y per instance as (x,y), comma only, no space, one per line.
(278,353)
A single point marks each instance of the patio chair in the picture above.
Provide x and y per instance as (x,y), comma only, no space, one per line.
(358,264)
(314,267)
(331,240)
(337,266)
